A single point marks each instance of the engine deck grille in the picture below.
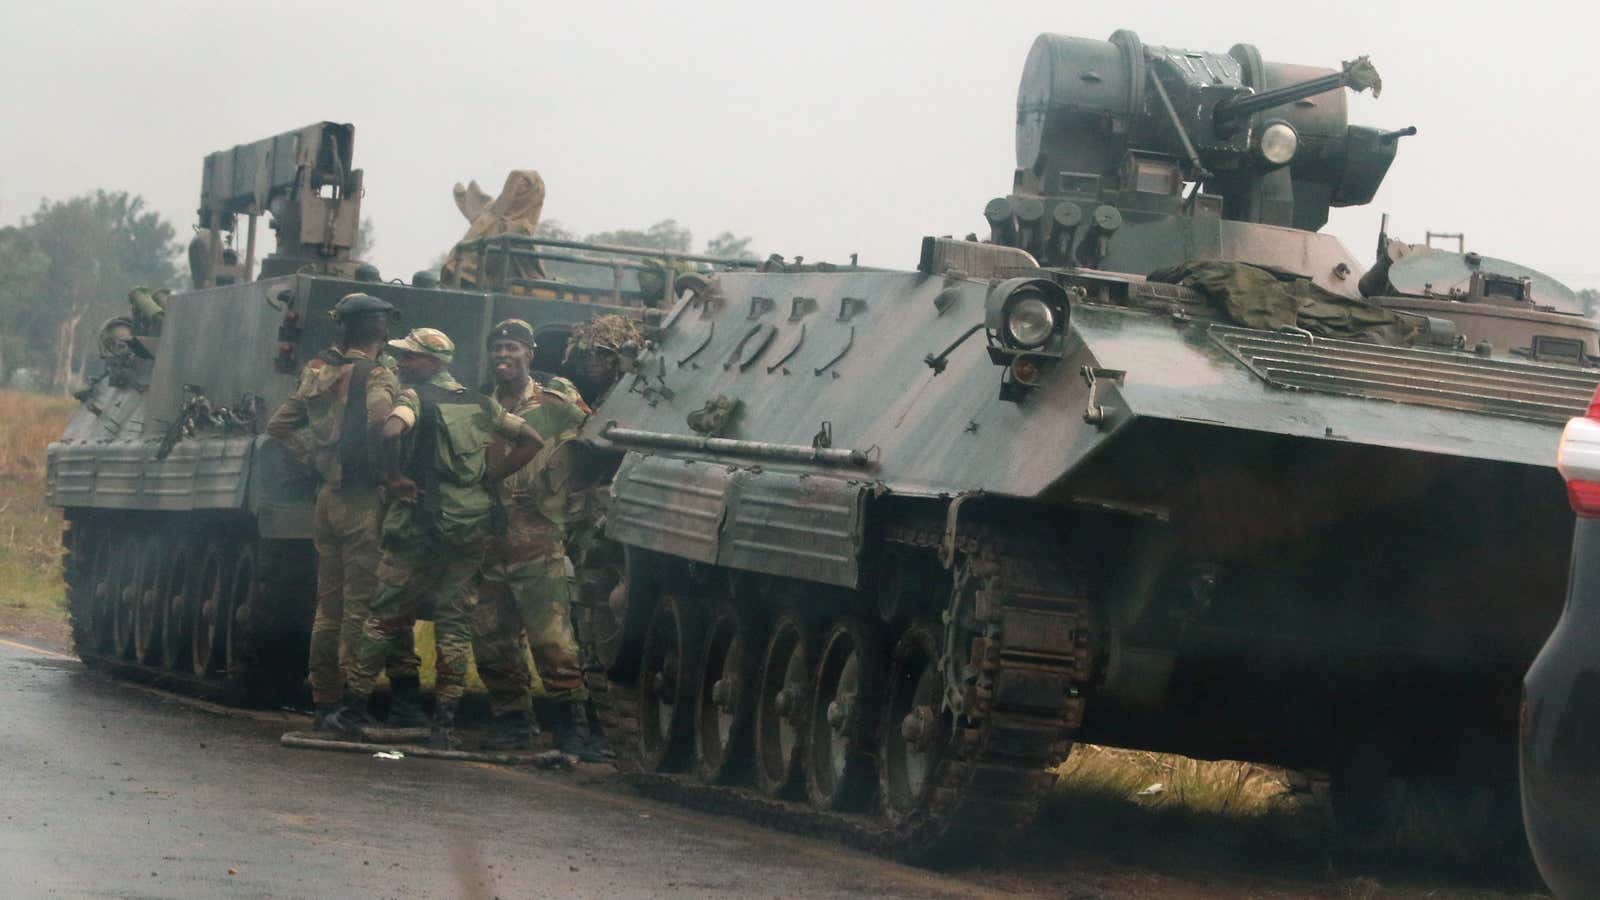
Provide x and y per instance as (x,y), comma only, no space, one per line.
(1499,387)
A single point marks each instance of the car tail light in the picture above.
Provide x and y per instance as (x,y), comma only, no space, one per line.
(1578,460)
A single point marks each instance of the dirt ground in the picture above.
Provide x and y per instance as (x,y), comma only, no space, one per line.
(47,630)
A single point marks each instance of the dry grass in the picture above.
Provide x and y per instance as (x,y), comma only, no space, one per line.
(1228,819)
(30,531)
(30,423)
(1158,781)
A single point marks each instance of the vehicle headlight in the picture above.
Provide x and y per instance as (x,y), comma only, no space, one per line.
(1029,322)
(1278,143)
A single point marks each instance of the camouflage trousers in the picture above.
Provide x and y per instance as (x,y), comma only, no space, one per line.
(412,581)
(526,606)
(345,533)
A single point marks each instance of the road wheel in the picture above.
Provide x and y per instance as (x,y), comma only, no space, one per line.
(243,592)
(123,597)
(208,625)
(782,706)
(88,557)
(914,733)
(617,624)
(844,716)
(179,578)
(668,684)
(149,609)
(725,710)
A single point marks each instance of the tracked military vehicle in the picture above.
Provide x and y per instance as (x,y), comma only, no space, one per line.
(189,557)
(1155,463)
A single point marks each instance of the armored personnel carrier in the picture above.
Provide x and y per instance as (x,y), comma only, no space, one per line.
(1156,464)
(189,557)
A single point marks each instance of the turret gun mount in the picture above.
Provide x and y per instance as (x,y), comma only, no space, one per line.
(1113,131)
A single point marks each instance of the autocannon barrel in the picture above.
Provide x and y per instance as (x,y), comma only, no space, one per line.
(1245,105)
(1357,74)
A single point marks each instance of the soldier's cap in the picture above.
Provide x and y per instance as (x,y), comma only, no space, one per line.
(514,330)
(358,304)
(428,342)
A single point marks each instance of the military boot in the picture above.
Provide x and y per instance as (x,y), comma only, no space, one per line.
(598,742)
(510,731)
(405,703)
(351,718)
(569,740)
(319,718)
(444,727)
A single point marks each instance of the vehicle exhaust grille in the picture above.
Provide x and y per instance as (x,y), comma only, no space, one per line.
(1499,387)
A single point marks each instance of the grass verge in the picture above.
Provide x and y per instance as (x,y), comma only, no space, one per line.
(32,596)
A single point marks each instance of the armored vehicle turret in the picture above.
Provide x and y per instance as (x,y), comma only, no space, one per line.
(1145,467)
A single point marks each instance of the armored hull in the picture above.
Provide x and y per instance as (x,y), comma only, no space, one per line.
(896,540)
(189,557)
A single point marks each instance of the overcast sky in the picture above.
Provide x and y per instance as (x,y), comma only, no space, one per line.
(820,129)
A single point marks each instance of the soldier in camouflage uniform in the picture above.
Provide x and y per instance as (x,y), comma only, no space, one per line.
(329,422)
(527,582)
(443,511)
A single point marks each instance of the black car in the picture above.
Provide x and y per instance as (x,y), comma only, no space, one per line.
(1560,729)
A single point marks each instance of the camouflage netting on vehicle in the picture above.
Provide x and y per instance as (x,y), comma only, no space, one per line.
(1257,297)
(607,332)
(515,211)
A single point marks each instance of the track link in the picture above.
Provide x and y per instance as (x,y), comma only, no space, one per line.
(1027,655)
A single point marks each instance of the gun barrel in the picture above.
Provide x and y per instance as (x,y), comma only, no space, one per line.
(1242,107)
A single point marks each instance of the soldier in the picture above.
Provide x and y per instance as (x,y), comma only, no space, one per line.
(442,512)
(329,421)
(527,582)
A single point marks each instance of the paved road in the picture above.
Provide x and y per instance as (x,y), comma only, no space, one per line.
(107,790)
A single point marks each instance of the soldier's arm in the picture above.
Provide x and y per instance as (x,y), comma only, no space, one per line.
(400,420)
(383,395)
(402,415)
(288,418)
(525,444)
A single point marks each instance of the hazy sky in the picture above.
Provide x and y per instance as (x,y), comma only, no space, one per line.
(819,129)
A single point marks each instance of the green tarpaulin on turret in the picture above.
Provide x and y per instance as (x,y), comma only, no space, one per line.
(1257,297)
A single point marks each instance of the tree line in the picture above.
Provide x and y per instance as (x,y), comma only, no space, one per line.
(66,269)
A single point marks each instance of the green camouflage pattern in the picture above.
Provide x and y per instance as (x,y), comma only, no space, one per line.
(533,598)
(346,539)
(427,341)
(435,581)
(308,423)
(527,585)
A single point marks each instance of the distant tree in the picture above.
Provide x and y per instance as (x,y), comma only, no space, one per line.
(553,229)
(730,244)
(666,234)
(98,247)
(22,268)
(1590,298)
(365,240)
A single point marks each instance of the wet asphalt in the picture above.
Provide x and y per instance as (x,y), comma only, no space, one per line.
(111,791)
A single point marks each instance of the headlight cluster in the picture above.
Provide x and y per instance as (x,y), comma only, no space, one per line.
(1026,314)
(1026,320)
(1029,322)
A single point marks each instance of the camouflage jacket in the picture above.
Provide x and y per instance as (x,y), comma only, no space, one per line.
(536,495)
(309,422)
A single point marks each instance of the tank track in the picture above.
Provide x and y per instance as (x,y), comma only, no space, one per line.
(1006,746)
(267,665)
